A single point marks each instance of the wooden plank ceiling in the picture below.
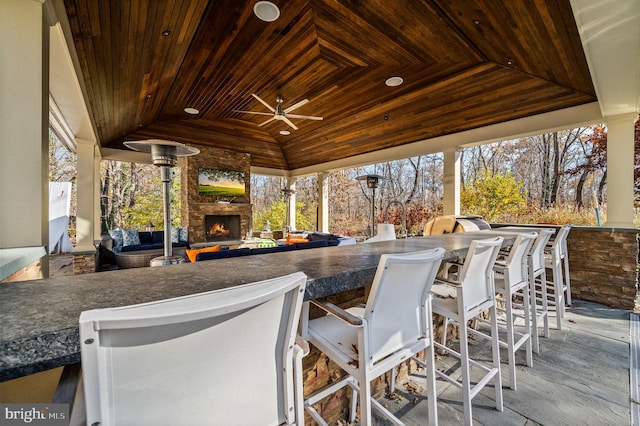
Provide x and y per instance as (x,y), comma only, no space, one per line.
(465,64)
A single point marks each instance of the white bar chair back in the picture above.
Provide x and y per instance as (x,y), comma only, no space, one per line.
(556,258)
(512,280)
(473,292)
(367,341)
(538,288)
(187,360)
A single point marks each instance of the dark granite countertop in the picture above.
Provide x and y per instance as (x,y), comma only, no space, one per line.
(39,319)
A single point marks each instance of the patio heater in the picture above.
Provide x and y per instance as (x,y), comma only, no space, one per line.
(372,183)
(287,197)
(164,154)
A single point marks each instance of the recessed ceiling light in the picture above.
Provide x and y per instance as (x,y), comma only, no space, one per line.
(266,11)
(285,132)
(394,81)
(191,111)
(166,33)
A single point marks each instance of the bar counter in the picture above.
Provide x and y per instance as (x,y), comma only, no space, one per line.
(39,319)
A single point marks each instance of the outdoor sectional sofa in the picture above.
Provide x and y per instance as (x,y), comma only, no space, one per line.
(126,240)
(135,249)
(132,252)
(316,239)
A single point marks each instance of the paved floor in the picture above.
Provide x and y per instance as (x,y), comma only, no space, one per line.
(60,264)
(580,377)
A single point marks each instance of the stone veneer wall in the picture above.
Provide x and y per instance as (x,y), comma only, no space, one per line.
(195,206)
(603,265)
(85,263)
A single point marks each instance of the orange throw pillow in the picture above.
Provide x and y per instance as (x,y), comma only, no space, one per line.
(297,240)
(192,253)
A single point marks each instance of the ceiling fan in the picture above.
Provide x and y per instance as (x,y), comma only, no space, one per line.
(279,113)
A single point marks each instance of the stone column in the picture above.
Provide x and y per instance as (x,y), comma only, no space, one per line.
(323,202)
(24,126)
(620,159)
(451,201)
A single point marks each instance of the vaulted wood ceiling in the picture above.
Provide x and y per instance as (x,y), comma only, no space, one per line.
(465,64)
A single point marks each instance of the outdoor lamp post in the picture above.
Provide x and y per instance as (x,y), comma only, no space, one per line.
(164,155)
(149,227)
(372,183)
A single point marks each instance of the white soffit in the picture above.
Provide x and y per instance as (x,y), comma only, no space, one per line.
(610,34)
(65,89)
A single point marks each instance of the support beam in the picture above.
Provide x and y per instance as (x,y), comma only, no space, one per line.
(291,208)
(88,210)
(323,202)
(24,153)
(620,158)
(451,201)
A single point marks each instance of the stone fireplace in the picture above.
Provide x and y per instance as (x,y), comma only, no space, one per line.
(202,212)
(235,218)
(222,228)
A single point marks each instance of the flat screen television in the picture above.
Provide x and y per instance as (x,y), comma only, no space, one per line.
(221,183)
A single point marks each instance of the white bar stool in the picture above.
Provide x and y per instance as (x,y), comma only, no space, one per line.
(366,342)
(461,301)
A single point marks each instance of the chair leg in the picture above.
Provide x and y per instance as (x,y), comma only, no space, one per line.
(445,321)
(545,303)
(567,280)
(365,400)
(511,352)
(535,343)
(354,406)
(497,379)
(392,385)
(558,294)
(527,326)
(466,379)
(429,355)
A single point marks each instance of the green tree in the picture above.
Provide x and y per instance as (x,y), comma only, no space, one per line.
(276,216)
(494,197)
(148,205)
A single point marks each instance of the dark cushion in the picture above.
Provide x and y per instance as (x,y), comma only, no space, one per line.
(222,254)
(157,245)
(262,250)
(145,237)
(157,237)
(106,256)
(312,244)
(135,247)
(316,236)
(180,244)
(333,243)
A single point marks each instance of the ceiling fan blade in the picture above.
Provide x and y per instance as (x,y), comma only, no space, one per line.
(268,121)
(286,120)
(294,106)
(306,117)
(252,112)
(263,102)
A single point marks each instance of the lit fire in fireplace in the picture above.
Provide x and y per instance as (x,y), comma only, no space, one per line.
(219,231)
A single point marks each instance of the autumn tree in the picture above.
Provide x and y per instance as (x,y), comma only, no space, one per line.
(592,164)
(493,196)
(131,196)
